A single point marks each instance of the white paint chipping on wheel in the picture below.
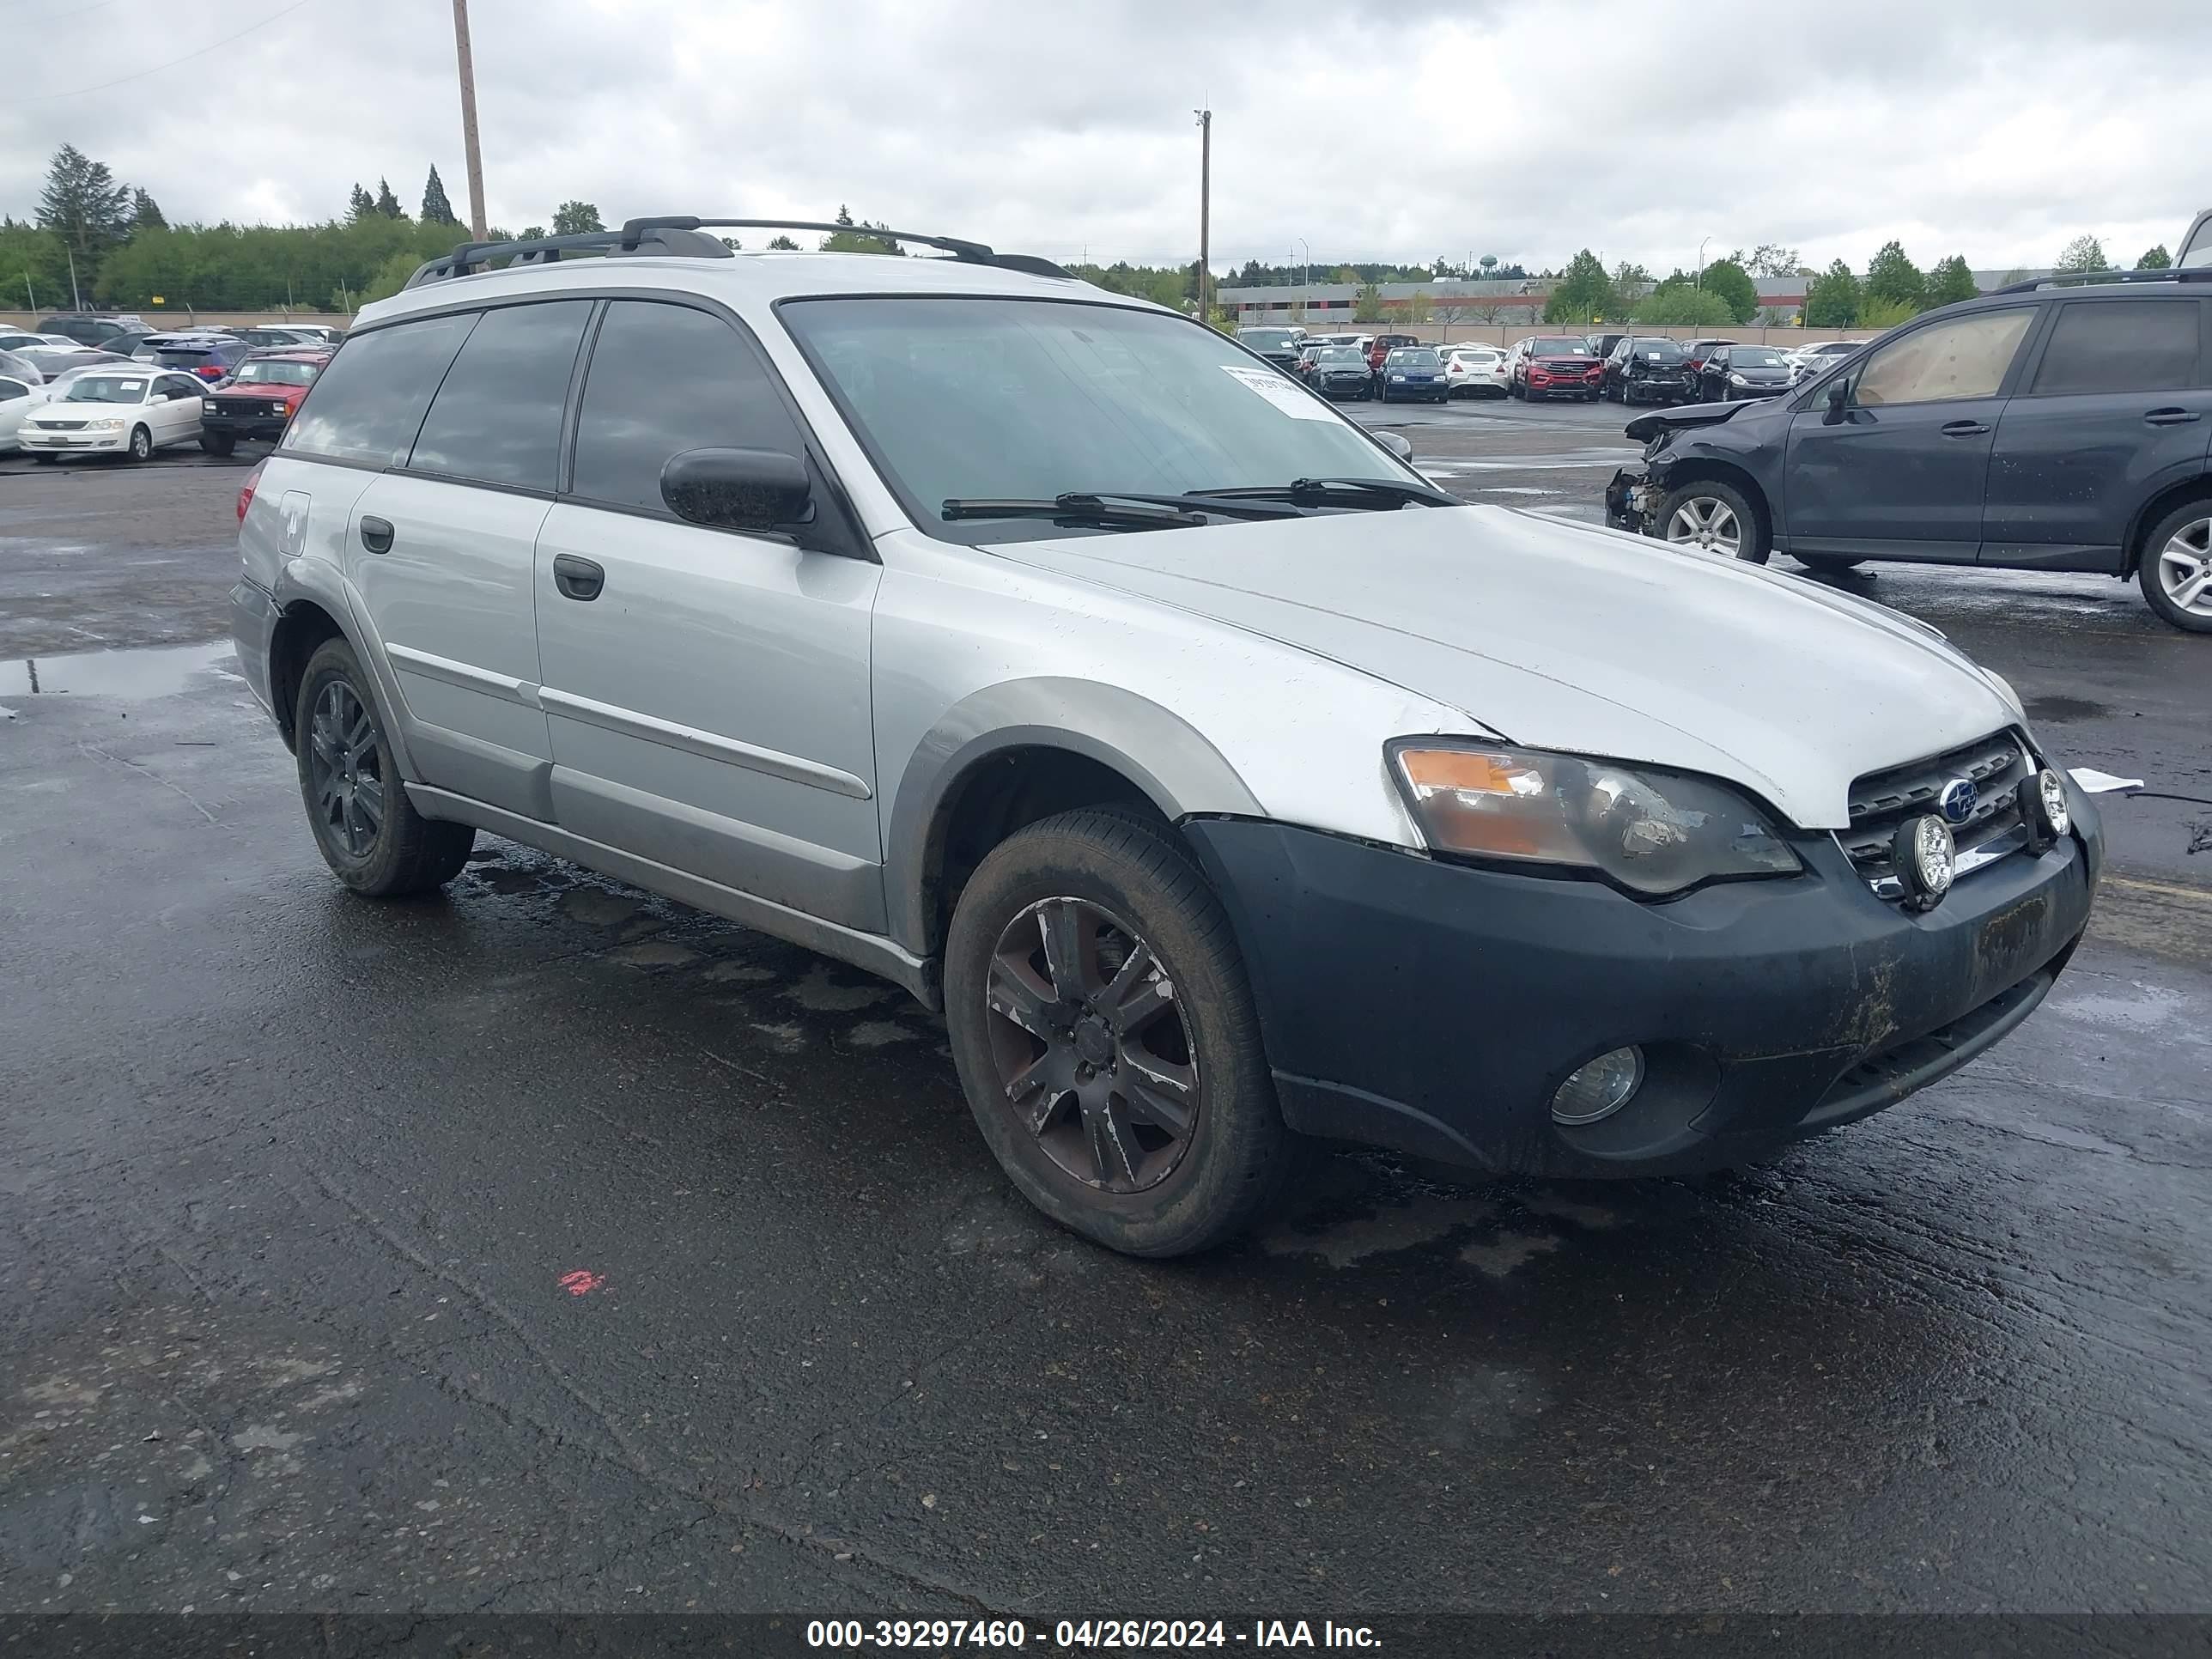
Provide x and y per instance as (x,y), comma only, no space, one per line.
(2184,568)
(1708,522)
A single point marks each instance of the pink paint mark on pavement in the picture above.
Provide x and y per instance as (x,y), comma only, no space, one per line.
(582,1282)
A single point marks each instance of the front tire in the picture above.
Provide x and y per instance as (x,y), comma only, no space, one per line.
(367,830)
(1827,564)
(219,444)
(2175,573)
(142,445)
(1106,1037)
(1716,517)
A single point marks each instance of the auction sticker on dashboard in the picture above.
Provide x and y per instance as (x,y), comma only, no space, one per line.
(1298,404)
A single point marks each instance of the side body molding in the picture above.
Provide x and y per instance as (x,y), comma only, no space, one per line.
(1164,755)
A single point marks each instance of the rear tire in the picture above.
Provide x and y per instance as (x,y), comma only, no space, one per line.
(2166,573)
(367,830)
(1106,886)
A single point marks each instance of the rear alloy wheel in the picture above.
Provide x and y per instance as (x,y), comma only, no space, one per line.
(1715,518)
(367,831)
(1106,1037)
(2176,573)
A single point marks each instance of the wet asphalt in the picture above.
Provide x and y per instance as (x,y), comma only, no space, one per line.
(547,1245)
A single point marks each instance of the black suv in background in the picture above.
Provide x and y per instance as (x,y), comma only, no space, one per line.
(2064,424)
(1646,369)
(107,333)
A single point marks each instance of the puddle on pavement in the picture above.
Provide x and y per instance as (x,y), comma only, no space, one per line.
(156,671)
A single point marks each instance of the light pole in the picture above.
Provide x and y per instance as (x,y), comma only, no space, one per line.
(1701,261)
(1205,208)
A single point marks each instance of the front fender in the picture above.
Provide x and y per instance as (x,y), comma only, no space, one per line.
(1166,758)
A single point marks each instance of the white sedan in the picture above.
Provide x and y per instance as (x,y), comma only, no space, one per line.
(18,399)
(111,411)
(1476,371)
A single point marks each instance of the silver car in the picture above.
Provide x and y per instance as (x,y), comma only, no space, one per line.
(1226,786)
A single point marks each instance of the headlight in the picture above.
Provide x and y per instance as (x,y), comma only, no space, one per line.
(111,424)
(1652,832)
(207,405)
(1399,376)
(1736,379)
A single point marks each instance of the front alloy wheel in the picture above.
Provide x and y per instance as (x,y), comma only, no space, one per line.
(1090,1047)
(1706,521)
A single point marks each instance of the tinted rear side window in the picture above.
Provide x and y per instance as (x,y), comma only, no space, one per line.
(665,379)
(2143,345)
(497,418)
(368,404)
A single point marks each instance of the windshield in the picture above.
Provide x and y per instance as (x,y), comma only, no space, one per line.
(106,389)
(1560,349)
(1034,398)
(2196,245)
(1754,357)
(1411,359)
(1266,339)
(278,373)
(1339,355)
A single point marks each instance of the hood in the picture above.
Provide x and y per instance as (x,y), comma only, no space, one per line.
(1644,427)
(269,391)
(1554,636)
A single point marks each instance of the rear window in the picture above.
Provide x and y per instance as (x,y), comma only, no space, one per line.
(2141,345)
(1659,351)
(368,404)
(497,417)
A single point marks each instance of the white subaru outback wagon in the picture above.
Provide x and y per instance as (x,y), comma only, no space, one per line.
(1227,785)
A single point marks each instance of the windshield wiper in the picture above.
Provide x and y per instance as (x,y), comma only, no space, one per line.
(1116,509)
(1338,492)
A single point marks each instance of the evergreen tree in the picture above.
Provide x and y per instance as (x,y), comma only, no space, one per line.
(436,210)
(782,244)
(386,202)
(360,205)
(146,212)
(84,205)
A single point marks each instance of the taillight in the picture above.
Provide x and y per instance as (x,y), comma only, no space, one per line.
(245,489)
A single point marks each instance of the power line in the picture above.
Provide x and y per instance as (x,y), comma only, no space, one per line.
(140,75)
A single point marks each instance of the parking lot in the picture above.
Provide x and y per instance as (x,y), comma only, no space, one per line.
(546,1244)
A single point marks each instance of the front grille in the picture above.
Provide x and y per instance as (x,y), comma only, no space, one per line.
(246,408)
(1996,766)
(62,426)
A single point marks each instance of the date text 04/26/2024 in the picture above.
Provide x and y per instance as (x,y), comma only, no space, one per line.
(1084,1634)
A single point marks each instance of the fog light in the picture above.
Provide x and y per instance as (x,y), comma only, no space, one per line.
(1921,852)
(1600,1088)
(2045,801)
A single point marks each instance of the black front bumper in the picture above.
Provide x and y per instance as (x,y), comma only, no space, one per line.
(256,428)
(1434,1008)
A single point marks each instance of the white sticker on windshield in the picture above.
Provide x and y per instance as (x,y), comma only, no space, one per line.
(132,386)
(1295,401)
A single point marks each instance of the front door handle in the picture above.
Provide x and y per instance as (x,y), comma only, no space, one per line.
(577,579)
(2169,417)
(376,535)
(1963,428)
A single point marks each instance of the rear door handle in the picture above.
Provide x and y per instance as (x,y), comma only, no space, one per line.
(1963,428)
(2169,417)
(577,579)
(376,535)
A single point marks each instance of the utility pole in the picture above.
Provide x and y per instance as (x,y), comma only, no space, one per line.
(76,299)
(469,120)
(1205,210)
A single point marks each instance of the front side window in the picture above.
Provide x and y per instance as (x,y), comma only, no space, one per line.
(11,390)
(497,417)
(1945,361)
(665,379)
(368,404)
(1034,398)
(2121,346)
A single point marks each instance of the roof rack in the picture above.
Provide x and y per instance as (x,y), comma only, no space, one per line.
(2194,274)
(684,236)
(969,252)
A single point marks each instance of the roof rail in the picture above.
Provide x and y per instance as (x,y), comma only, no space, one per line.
(2195,274)
(970,252)
(471,257)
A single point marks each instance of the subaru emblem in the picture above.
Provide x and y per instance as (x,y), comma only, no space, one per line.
(1956,802)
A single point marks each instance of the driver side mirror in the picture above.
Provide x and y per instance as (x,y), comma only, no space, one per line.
(1840,400)
(1397,444)
(737,489)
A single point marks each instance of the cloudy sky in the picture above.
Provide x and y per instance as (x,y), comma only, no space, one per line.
(1373,128)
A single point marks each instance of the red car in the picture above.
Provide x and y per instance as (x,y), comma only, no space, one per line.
(259,401)
(1382,345)
(1557,365)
